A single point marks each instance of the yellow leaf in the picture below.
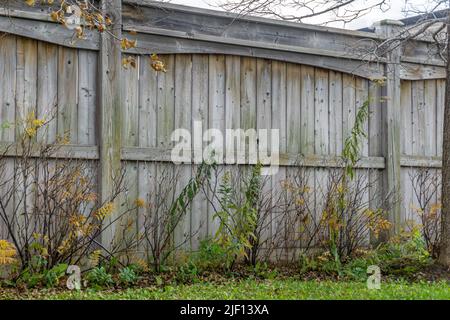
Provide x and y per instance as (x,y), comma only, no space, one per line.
(7,253)
(30,2)
(79,32)
(140,203)
(54,16)
(123,44)
(157,64)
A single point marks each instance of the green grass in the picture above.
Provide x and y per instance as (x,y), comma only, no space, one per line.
(251,289)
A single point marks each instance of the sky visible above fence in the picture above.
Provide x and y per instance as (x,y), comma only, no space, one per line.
(396,10)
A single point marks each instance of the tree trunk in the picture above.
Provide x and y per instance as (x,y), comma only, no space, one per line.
(444,257)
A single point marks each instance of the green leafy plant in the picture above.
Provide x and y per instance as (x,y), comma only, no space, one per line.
(404,254)
(352,145)
(187,272)
(238,217)
(211,256)
(53,276)
(100,277)
(46,277)
(263,271)
(128,276)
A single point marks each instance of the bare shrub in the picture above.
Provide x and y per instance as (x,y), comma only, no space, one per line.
(426,183)
(348,215)
(165,210)
(337,214)
(49,207)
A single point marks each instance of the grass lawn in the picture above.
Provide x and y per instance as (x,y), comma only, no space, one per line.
(251,289)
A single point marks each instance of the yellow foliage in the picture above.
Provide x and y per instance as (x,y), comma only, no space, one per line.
(140,203)
(129,61)
(157,64)
(380,81)
(299,201)
(79,32)
(32,124)
(65,245)
(376,222)
(30,132)
(141,263)
(105,211)
(94,257)
(7,253)
(128,44)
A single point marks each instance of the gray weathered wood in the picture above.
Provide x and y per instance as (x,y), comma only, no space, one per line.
(47,90)
(67,119)
(200,101)
(335,112)
(391,124)
(87,96)
(110,109)
(8,61)
(49,32)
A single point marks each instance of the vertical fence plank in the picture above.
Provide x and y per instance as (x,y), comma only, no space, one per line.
(200,98)
(26,82)
(183,116)
(47,89)
(279,117)
(375,147)
(361,96)
(248,96)
(440,102)
(68,93)
(166,103)
(391,121)
(8,64)
(375,130)
(419,125)
(430,117)
(348,105)
(216,110)
(335,112)
(148,91)
(321,139)
(297,138)
(294,125)
(264,121)
(407,118)
(130,96)
(232,97)
(307,110)
(26,90)
(321,128)
(110,109)
(130,138)
(87,96)
(407,130)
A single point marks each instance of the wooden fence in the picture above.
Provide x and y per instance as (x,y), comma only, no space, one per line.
(307,81)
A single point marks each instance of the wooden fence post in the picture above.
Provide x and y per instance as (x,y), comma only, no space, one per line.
(391,122)
(110,108)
